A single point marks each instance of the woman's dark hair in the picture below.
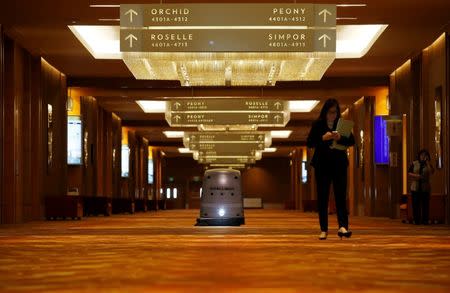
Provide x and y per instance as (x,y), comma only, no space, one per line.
(425,152)
(330,103)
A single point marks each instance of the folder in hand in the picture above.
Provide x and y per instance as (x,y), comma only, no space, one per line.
(344,127)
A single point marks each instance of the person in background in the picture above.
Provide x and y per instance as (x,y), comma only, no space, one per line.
(330,165)
(419,171)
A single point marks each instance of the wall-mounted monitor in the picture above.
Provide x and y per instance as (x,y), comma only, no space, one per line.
(150,171)
(304,172)
(74,140)
(381,141)
(125,166)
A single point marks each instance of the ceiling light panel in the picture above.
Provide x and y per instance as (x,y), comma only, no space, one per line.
(152,106)
(103,42)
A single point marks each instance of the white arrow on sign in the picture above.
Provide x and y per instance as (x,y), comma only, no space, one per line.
(131,12)
(131,38)
(177,105)
(278,105)
(324,37)
(277,117)
(260,137)
(324,12)
(177,118)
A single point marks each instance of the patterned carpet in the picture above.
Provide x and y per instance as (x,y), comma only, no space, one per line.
(277,251)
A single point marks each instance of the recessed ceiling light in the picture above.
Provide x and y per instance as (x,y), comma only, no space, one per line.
(104,6)
(302,106)
(112,19)
(270,150)
(280,133)
(103,41)
(354,41)
(184,150)
(346,18)
(152,106)
(174,134)
(351,5)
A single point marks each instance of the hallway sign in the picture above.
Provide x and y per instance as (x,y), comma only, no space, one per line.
(270,119)
(228,40)
(221,14)
(224,105)
(195,112)
(226,137)
(221,147)
(227,160)
(228,152)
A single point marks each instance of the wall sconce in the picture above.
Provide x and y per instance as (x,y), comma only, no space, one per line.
(361,150)
(438,129)
(49,136)
(85,149)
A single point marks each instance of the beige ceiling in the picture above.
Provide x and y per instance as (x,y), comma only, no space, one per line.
(41,27)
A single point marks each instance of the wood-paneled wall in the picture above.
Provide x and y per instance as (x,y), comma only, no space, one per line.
(30,85)
(135,186)
(365,196)
(2,122)
(99,174)
(412,92)
(268,179)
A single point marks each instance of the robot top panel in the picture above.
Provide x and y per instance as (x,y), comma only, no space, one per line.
(223,170)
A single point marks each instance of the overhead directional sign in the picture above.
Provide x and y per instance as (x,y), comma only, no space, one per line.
(270,119)
(223,148)
(225,105)
(255,14)
(227,40)
(226,137)
(227,160)
(228,153)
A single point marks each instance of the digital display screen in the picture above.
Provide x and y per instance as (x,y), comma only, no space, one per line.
(381,141)
(150,171)
(304,172)
(125,160)
(74,140)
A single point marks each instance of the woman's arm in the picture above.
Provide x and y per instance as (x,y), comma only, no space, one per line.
(347,141)
(414,176)
(318,136)
(411,173)
(314,138)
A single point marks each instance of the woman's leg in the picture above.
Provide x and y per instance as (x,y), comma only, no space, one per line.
(340,196)
(416,206)
(425,201)
(323,181)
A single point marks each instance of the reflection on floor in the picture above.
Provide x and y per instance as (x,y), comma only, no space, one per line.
(277,251)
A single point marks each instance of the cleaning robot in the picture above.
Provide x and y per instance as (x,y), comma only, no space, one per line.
(221,199)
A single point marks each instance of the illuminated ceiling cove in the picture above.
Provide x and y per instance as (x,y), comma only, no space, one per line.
(225,45)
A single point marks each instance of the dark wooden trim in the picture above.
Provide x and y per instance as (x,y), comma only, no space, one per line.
(131,83)
(164,124)
(2,98)
(180,144)
(447,125)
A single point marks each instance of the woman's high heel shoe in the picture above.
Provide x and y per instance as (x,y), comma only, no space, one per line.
(323,235)
(342,232)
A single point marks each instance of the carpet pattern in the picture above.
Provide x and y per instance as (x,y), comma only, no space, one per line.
(276,251)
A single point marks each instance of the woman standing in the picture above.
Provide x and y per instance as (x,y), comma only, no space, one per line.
(330,165)
(419,171)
